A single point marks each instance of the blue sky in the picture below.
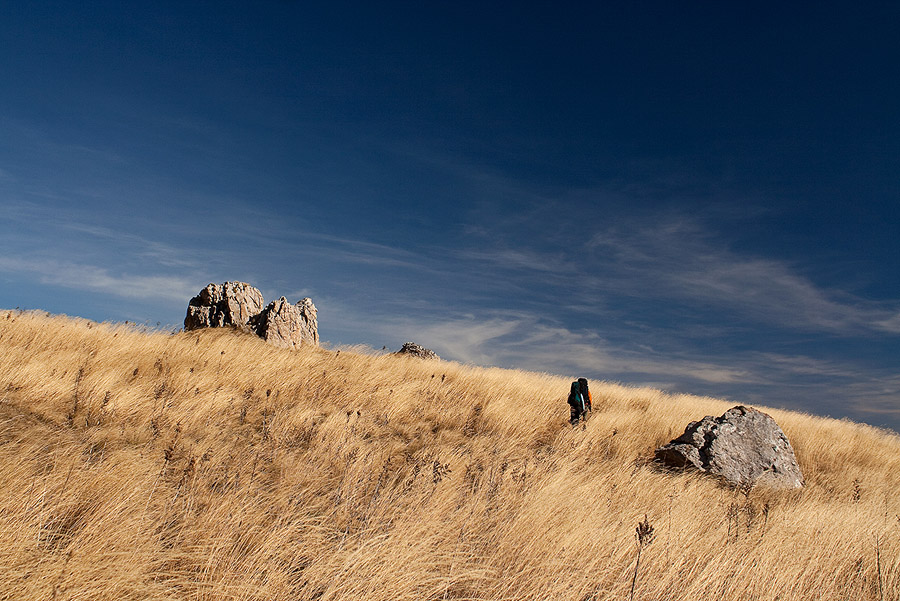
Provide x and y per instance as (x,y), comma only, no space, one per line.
(704,197)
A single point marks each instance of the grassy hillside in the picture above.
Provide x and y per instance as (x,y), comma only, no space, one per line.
(208,465)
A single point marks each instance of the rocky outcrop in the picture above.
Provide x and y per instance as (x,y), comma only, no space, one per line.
(287,325)
(411,348)
(228,304)
(241,305)
(744,446)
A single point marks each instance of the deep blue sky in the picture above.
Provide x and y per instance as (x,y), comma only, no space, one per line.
(700,196)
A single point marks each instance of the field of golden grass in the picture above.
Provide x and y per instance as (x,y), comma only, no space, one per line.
(208,465)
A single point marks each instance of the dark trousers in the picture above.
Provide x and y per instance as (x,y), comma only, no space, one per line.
(575,414)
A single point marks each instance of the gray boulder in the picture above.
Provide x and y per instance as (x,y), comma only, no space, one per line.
(411,348)
(744,446)
(287,325)
(228,304)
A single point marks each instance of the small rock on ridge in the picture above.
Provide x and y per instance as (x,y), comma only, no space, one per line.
(411,348)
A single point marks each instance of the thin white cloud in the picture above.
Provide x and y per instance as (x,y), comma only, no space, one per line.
(660,257)
(516,259)
(801,365)
(200,248)
(877,396)
(141,247)
(97,279)
(679,259)
(891,323)
(527,342)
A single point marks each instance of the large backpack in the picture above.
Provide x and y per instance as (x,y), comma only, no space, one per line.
(575,398)
(585,393)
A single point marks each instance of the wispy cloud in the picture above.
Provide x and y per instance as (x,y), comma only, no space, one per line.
(98,279)
(159,253)
(361,252)
(520,259)
(607,251)
(529,341)
(679,259)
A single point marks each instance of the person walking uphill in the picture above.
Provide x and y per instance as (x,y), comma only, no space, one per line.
(579,400)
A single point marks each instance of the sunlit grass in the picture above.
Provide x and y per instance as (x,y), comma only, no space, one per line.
(208,465)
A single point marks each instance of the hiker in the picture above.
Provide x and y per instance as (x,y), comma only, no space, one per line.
(579,400)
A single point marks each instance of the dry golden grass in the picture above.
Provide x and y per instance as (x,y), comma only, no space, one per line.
(208,465)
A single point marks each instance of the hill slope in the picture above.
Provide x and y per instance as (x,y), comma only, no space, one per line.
(208,465)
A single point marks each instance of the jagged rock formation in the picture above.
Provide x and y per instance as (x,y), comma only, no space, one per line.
(744,446)
(241,305)
(228,304)
(411,348)
(287,325)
